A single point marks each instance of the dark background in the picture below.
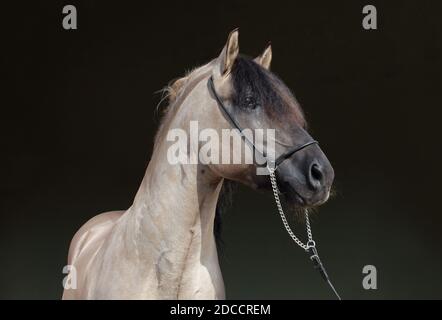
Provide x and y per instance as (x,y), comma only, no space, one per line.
(78,120)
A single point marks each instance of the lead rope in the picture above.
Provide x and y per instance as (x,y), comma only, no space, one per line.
(310,246)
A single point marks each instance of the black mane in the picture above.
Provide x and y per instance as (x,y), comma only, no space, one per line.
(250,80)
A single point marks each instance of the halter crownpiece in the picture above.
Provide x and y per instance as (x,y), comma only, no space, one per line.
(272,165)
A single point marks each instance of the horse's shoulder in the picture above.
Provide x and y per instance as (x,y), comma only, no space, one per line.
(92,229)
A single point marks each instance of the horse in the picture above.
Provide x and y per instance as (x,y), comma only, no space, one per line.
(164,245)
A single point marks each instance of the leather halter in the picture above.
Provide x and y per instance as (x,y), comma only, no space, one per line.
(310,246)
(235,124)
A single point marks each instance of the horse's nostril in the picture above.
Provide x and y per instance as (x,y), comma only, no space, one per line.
(316,176)
(316,172)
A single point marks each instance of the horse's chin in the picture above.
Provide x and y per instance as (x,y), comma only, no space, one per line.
(291,196)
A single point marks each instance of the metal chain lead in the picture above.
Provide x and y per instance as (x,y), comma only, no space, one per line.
(310,243)
(310,246)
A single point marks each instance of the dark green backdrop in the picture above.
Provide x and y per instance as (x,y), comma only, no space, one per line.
(78,122)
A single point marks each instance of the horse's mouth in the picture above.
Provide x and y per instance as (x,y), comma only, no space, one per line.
(292,196)
(295,198)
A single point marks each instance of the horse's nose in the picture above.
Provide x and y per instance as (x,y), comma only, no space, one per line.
(315,176)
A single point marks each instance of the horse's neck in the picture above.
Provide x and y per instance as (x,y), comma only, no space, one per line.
(175,198)
(175,202)
(169,228)
(172,216)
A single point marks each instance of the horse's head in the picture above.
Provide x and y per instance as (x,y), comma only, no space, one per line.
(257,98)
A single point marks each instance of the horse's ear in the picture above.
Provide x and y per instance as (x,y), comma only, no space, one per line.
(229,53)
(265,59)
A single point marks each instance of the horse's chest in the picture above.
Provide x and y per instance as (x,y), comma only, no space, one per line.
(203,282)
(202,278)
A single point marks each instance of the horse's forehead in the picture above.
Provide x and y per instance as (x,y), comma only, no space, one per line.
(292,108)
(284,106)
(276,98)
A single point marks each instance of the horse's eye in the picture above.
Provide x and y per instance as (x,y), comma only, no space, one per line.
(250,103)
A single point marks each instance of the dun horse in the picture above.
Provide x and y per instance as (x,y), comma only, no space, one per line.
(163,246)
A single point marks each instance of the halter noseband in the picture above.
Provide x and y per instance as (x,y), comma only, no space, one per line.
(235,124)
